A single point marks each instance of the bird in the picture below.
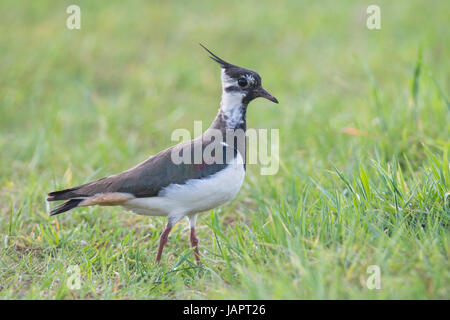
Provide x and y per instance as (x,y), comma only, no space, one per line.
(163,185)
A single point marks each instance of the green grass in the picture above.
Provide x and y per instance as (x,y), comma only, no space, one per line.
(364,147)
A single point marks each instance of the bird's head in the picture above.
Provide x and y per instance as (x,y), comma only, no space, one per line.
(240,83)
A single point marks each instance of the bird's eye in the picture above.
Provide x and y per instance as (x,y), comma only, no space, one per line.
(242,82)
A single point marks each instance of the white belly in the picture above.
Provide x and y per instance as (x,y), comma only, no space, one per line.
(196,195)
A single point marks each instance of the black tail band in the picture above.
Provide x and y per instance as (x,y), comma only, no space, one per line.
(66,206)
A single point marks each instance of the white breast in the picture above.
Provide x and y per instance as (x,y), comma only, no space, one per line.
(196,195)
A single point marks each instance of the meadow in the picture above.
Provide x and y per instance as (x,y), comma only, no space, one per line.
(364,148)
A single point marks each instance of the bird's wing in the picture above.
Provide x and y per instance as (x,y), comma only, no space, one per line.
(149,177)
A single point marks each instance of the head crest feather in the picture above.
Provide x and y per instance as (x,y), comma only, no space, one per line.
(220,61)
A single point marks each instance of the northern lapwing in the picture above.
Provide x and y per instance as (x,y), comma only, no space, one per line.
(164,186)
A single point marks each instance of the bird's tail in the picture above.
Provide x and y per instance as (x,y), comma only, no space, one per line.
(92,193)
(65,194)
(73,198)
(66,206)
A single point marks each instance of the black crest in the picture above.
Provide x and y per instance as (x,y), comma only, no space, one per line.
(220,61)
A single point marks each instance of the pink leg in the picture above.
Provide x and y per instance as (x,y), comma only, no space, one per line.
(194,244)
(162,242)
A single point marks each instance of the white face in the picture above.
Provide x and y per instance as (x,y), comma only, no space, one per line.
(230,100)
(226,80)
(239,87)
(231,103)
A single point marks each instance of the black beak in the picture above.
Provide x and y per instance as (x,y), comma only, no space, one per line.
(264,94)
